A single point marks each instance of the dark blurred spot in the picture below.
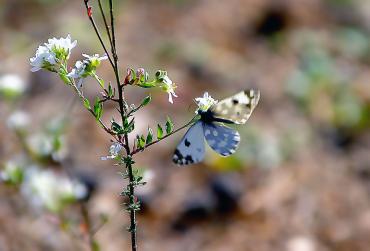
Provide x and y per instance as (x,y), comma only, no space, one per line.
(195,211)
(227,192)
(339,138)
(272,22)
(90,182)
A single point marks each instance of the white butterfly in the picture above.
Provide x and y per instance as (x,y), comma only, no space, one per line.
(222,139)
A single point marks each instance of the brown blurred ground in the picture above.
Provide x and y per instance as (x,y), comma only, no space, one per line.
(312,194)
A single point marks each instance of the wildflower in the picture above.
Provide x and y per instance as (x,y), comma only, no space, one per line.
(205,102)
(12,173)
(11,85)
(18,120)
(50,190)
(169,87)
(51,54)
(78,72)
(86,68)
(114,150)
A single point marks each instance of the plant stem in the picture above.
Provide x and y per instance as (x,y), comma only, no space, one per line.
(123,111)
(86,219)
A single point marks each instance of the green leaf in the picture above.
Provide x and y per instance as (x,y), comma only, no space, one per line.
(169,125)
(129,126)
(159,131)
(87,103)
(146,100)
(110,90)
(101,82)
(116,128)
(64,77)
(149,137)
(98,108)
(140,141)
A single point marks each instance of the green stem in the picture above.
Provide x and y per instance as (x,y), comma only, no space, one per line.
(123,111)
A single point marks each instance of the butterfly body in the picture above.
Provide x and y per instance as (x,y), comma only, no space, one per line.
(222,139)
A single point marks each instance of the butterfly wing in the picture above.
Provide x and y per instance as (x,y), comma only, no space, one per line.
(191,148)
(222,139)
(237,108)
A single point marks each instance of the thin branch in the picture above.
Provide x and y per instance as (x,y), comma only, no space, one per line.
(87,222)
(135,151)
(97,32)
(105,22)
(123,111)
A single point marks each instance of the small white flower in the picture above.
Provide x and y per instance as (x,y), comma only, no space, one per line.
(95,57)
(12,172)
(85,68)
(51,53)
(114,150)
(41,144)
(205,102)
(50,190)
(169,87)
(12,85)
(61,46)
(78,72)
(18,120)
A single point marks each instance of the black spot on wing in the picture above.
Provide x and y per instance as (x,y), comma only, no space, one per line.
(187,143)
(180,159)
(235,101)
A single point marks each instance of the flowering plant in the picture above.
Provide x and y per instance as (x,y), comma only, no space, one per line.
(54,56)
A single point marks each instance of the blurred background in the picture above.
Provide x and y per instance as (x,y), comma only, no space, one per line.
(300,180)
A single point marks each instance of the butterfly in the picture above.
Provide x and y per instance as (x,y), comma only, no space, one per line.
(213,115)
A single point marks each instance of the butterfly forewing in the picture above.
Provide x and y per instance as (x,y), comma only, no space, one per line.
(237,108)
(191,148)
(222,139)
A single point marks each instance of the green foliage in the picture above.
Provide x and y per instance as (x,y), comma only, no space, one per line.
(169,125)
(87,103)
(146,100)
(98,108)
(159,131)
(149,137)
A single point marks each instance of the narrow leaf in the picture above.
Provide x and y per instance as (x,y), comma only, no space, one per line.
(98,108)
(87,103)
(149,137)
(169,125)
(146,100)
(159,131)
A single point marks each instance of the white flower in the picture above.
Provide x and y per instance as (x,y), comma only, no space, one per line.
(78,72)
(85,68)
(205,102)
(61,45)
(41,144)
(95,58)
(18,120)
(12,85)
(169,87)
(48,189)
(114,150)
(51,53)
(12,173)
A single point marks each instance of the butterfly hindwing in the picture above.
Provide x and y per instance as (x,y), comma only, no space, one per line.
(221,139)
(191,148)
(237,108)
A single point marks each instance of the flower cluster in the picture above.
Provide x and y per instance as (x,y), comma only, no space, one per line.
(86,68)
(205,102)
(50,190)
(11,86)
(114,150)
(52,54)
